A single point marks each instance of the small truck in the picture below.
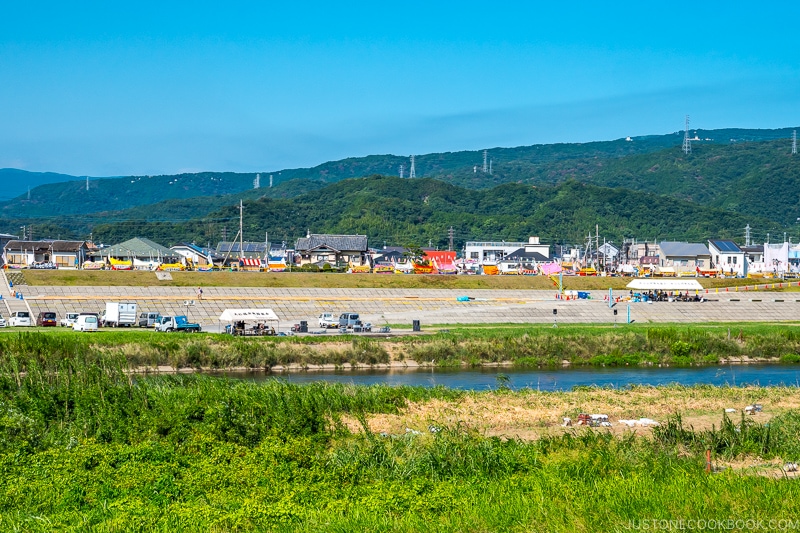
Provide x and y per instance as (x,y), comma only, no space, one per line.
(177,323)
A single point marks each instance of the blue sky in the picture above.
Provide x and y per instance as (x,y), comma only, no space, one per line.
(165,87)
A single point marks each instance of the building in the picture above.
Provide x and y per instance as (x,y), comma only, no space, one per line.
(141,252)
(494,252)
(521,262)
(678,258)
(5,238)
(194,255)
(727,257)
(45,254)
(335,250)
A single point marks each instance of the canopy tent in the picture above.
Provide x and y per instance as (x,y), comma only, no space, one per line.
(233,316)
(675,284)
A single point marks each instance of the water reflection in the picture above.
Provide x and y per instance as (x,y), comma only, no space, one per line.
(549,379)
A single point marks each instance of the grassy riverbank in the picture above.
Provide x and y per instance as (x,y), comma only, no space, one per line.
(84,278)
(519,345)
(83,446)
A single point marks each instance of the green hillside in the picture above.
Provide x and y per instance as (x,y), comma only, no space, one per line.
(17,182)
(404,212)
(710,175)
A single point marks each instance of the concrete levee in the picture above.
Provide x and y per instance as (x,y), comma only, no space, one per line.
(401,306)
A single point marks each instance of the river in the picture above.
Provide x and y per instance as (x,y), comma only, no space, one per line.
(560,379)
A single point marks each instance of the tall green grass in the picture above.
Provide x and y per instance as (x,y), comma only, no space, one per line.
(84,445)
(521,345)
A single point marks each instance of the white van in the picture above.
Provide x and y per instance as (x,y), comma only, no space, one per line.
(86,322)
(20,318)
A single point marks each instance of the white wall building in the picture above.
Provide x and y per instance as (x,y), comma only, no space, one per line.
(493,252)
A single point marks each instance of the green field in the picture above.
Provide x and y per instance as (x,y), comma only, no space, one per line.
(86,447)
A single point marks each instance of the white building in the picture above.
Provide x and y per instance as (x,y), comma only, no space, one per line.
(494,252)
(728,257)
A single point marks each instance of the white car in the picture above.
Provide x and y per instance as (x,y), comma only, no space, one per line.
(20,318)
(2,322)
(69,320)
(328,320)
(87,322)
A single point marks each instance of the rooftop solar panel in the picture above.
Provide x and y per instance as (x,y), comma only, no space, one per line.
(726,246)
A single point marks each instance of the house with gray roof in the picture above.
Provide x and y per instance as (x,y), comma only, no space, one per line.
(678,258)
(54,253)
(138,248)
(336,250)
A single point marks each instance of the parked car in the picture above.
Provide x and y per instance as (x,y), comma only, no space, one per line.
(86,322)
(20,318)
(349,320)
(149,320)
(46,318)
(69,319)
(2,322)
(328,320)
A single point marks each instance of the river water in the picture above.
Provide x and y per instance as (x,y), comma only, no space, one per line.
(565,379)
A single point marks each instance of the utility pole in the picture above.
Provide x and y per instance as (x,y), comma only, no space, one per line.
(597,242)
(241,237)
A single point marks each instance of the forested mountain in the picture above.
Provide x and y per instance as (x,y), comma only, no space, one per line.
(16,182)
(420,212)
(605,161)
(645,187)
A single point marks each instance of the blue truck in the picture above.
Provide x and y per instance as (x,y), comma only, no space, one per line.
(177,323)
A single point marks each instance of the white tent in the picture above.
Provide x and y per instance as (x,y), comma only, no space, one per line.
(231,316)
(249,315)
(675,284)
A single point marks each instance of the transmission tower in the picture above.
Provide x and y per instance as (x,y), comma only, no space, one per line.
(485,165)
(450,235)
(490,167)
(270,181)
(87,183)
(412,173)
(402,170)
(794,142)
(257,182)
(687,144)
(747,235)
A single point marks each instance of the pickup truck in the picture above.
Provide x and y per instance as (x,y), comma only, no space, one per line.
(177,323)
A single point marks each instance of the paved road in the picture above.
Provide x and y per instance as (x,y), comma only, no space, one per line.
(401,306)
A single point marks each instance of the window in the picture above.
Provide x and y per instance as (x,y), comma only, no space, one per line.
(729,260)
(734,259)
(700,263)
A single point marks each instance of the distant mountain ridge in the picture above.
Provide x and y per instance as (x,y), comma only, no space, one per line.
(750,173)
(552,163)
(17,182)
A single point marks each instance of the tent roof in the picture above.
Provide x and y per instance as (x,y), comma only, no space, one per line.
(232,315)
(665,284)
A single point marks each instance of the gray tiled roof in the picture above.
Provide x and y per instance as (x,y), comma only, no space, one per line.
(336,242)
(45,246)
(137,247)
(683,249)
(522,255)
